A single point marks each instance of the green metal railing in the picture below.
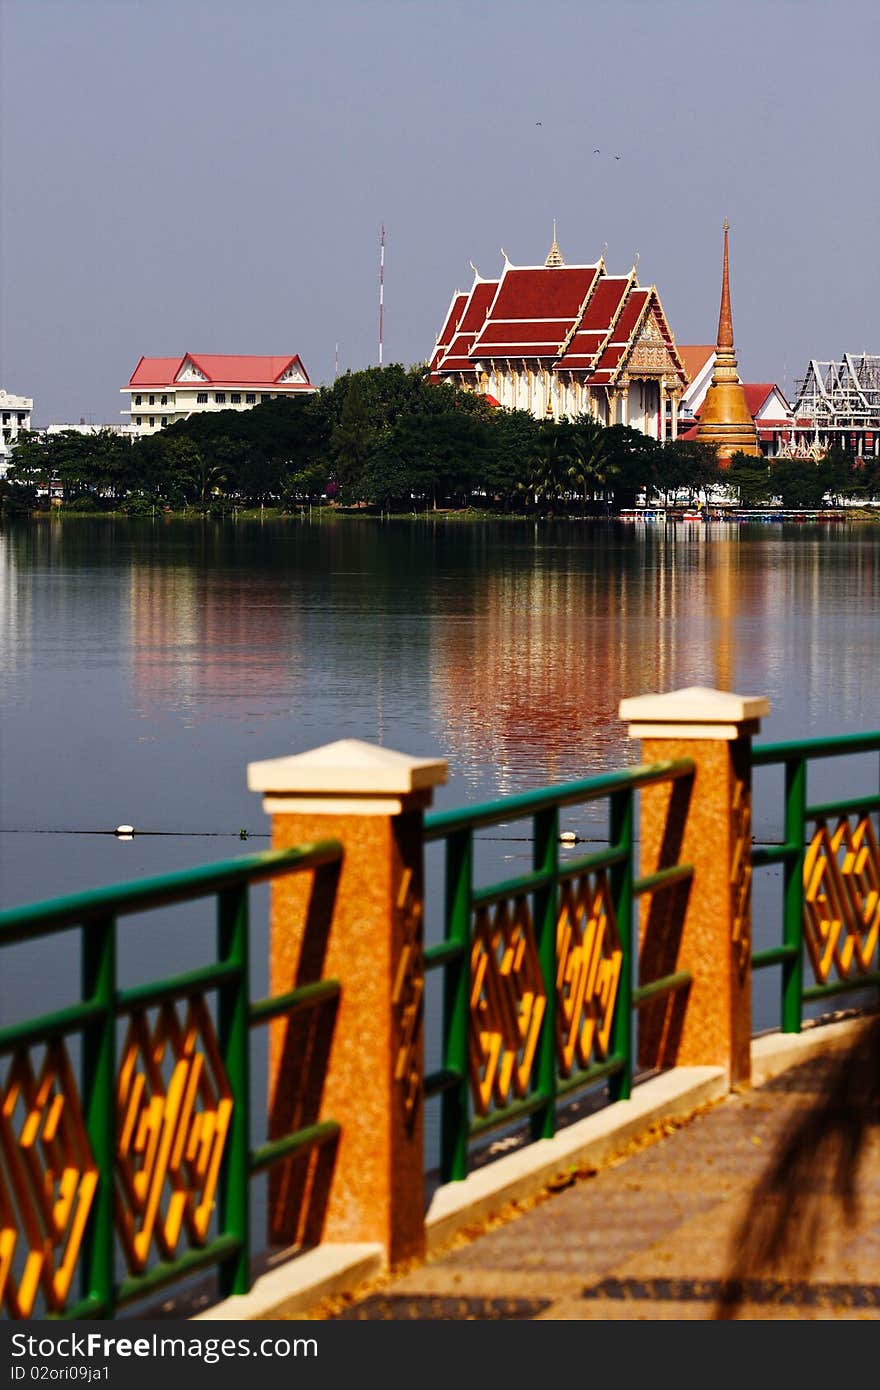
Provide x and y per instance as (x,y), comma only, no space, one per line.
(794,757)
(453,954)
(95,1017)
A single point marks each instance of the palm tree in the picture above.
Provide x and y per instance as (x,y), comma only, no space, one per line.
(546,480)
(584,443)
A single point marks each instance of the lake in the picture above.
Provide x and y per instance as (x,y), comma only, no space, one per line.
(144,664)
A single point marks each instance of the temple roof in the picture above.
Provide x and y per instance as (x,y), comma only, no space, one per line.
(473,317)
(575,317)
(450,323)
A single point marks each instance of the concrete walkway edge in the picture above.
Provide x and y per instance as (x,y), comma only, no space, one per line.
(299,1284)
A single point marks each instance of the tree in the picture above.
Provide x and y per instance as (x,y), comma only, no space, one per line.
(749,478)
(687,463)
(583,442)
(351,439)
(546,478)
(631,462)
(797,482)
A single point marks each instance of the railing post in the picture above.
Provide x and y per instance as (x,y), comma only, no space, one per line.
(98,1086)
(455,1115)
(705,927)
(234,1039)
(368,1073)
(793,894)
(546,857)
(620,832)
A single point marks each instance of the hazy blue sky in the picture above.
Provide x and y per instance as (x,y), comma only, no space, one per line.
(207,176)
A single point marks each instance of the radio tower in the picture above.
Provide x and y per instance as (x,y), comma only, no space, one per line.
(381,286)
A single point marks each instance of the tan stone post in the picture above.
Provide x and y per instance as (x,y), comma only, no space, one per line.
(705,926)
(366,1069)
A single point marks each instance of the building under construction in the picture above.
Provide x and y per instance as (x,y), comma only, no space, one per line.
(837,406)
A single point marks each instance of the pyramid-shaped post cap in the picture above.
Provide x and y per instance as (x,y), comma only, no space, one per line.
(695,712)
(347,776)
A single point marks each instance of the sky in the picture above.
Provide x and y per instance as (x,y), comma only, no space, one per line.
(208,176)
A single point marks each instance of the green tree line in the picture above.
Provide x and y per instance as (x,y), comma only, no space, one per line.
(388,439)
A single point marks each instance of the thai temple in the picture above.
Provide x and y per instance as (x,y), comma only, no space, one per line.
(564,340)
(725,418)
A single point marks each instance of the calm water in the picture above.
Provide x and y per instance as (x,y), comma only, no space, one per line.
(143,665)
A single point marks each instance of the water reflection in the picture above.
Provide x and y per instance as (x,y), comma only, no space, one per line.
(142,665)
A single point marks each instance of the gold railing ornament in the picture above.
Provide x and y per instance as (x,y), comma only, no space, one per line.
(588,962)
(171,1130)
(842,898)
(48,1179)
(507,1003)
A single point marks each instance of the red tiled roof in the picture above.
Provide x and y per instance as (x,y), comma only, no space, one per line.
(220,369)
(625,325)
(543,292)
(756,395)
(155,371)
(472,319)
(456,308)
(695,357)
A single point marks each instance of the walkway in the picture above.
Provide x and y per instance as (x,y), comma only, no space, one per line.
(650,1235)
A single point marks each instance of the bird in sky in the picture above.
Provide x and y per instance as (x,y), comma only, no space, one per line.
(539,122)
(617,156)
(597,151)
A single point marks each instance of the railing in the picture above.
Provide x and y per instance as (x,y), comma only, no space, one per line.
(538,970)
(831,880)
(152,1148)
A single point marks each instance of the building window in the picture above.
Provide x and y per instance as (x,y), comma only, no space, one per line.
(201,398)
(152,420)
(235,398)
(164,400)
(137,400)
(220,397)
(265,396)
(138,419)
(152,400)
(250,398)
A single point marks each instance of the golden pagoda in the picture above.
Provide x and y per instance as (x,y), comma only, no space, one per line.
(725,419)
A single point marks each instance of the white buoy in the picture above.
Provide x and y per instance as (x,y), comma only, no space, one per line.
(568,837)
(124,832)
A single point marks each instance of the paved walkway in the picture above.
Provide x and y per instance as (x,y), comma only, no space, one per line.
(657,1233)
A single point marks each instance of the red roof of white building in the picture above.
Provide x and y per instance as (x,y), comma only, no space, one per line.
(220,369)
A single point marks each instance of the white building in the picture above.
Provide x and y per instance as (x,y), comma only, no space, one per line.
(164,389)
(15,414)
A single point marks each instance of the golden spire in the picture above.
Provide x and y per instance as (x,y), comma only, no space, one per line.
(725,321)
(725,418)
(554,257)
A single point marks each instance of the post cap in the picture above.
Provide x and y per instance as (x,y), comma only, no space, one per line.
(349,768)
(695,712)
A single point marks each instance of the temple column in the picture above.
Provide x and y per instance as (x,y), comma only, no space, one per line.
(624,406)
(612,405)
(673,397)
(661,433)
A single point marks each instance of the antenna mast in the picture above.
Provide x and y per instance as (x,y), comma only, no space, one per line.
(381,286)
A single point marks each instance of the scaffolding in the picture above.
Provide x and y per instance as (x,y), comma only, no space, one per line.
(840,395)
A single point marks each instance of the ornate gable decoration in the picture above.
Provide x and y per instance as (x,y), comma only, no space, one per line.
(190,372)
(291,373)
(650,353)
